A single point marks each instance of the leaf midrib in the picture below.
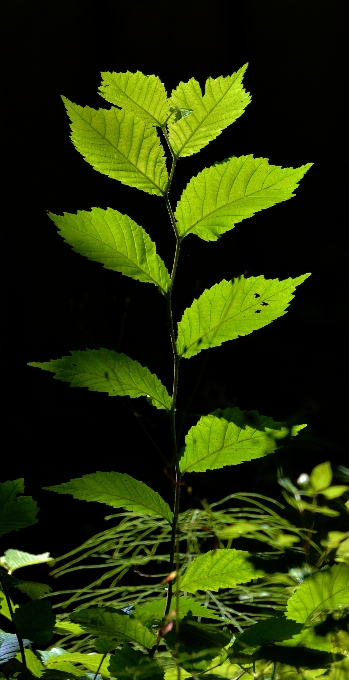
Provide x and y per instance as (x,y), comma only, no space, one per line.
(119,152)
(222,448)
(137,104)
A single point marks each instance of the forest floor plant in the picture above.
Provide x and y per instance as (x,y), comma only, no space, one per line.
(219,612)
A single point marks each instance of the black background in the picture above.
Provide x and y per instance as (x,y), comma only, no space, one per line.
(58,301)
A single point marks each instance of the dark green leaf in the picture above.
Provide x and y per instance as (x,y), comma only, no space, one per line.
(35,620)
(15,513)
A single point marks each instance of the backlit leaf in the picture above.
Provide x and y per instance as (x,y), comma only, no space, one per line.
(119,145)
(154,611)
(15,559)
(118,490)
(223,102)
(116,241)
(228,192)
(218,569)
(230,437)
(144,95)
(103,370)
(107,622)
(321,591)
(231,309)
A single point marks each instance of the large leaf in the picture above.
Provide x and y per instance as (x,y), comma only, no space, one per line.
(154,611)
(118,490)
(231,309)
(339,670)
(324,590)
(108,622)
(119,145)
(35,620)
(218,569)
(230,437)
(90,661)
(223,102)
(116,241)
(227,193)
(274,629)
(33,589)
(103,370)
(15,513)
(143,95)
(15,559)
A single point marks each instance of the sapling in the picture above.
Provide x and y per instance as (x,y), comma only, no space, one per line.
(125,142)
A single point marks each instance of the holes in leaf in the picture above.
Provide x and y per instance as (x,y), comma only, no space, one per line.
(199,341)
(106,375)
(257,311)
(257,295)
(265,304)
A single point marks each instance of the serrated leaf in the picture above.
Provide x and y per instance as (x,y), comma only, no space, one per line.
(63,670)
(118,490)
(15,559)
(103,370)
(33,663)
(9,646)
(274,629)
(131,663)
(15,513)
(67,627)
(321,476)
(119,145)
(324,590)
(144,95)
(229,437)
(223,102)
(116,241)
(109,623)
(35,621)
(33,589)
(218,569)
(89,661)
(231,309)
(228,192)
(339,670)
(154,611)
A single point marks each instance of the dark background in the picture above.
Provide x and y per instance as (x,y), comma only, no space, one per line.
(57,301)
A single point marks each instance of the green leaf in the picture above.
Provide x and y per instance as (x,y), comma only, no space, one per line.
(324,590)
(34,590)
(154,611)
(63,671)
(228,192)
(119,145)
(230,437)
(218,569)
(273,629)
(67,628)
(196,644)
(35,620)
(103,370)
(231,309)
(223,102)
(145,96)
(33,663)
(321,476)
(15,559)
(116,241)
(118,490)
(9,646)
(108,622)
(334,491)
(131,663)
(89,661)
(15,513)
(339,670)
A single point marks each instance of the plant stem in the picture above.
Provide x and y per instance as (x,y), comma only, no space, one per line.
(20,641)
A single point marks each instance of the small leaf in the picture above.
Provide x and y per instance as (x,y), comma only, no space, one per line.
(108,622)
(145,96)
(231,309)
(323,590)
(35,620)
(229,437)
(15,559)
(119,145)
(228,192)
(118,490)
(334,491)
(89,661)
(321,476)
(116,241)
(67,627)
(223,102)
(9,646)
(218,569)
(103,370)
(15,513)
(154,611)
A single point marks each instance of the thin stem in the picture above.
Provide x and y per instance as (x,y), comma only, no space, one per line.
(20,641)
